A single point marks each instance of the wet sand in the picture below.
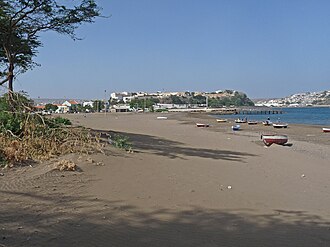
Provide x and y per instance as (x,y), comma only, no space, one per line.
(182,186)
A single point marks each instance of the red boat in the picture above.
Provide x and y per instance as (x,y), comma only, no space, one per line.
(326,129)
(201,125)
(269,139)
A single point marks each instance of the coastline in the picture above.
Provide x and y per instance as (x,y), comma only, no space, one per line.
(182,186)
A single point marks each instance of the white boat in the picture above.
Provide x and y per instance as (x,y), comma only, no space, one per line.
(240,120)
(280,125)
(161,118)
(270,139)
(202,125)
(267,123)
(222,120)
(326,129)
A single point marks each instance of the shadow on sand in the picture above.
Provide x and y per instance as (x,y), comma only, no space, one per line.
(28,219)
(173,149)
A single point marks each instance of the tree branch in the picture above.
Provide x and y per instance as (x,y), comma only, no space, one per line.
(32,10)
(4,81)
(20,11)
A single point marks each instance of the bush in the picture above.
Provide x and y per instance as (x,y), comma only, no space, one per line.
(25,135)
(120,141)
(162,110)
(56,122)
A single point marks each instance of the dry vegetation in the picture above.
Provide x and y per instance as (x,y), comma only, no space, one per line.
(40,142)
(26,135)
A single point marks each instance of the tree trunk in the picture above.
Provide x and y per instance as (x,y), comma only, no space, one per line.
(11,100)
(10,78)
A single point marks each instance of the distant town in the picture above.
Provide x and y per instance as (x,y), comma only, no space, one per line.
(143,101)
(176,101)
(298,100)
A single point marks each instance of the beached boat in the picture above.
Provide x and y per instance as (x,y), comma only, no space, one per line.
(201,125)
(326,130)
(267,123)
(236,127)
(270,139)
(252,122)
(280,125)
(240,120)
(221,120)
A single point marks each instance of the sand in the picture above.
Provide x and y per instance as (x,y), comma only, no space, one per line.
(182,186)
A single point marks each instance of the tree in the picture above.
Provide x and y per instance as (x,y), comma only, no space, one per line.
(22,21)
(98,105)
(51,107)
(143,103)
(76,108)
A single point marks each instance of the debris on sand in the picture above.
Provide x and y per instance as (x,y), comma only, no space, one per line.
(66,165)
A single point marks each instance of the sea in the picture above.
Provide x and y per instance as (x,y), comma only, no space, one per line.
(296,115)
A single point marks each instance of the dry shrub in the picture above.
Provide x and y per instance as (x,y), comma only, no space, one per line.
(26,135)
(38,141)
(66,165)
(13,152)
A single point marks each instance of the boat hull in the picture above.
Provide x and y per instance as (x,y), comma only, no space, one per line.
(240,121)
(274,139)
(326,130)
(280,125)
(201,125)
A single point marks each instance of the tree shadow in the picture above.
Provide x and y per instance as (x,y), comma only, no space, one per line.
(176,150)
(28,219)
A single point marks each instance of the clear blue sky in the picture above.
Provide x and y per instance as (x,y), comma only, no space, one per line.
(266,48)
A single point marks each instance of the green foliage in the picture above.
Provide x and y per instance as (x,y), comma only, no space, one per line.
(76,108)
(56,122)
(98,105)
(12,112)
(197,100)
(177,100)
(22,21)
(27,135)
(10,122)
(88,108)
(141,103)
(121,142)
(162,110)
(238,99)
(51,107)
(14,119)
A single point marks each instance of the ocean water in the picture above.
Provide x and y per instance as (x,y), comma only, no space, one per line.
(308,115)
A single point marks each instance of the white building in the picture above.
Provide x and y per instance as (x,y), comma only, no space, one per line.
(88,103)
(62,109)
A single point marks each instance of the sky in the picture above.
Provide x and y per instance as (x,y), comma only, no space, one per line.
(265,48)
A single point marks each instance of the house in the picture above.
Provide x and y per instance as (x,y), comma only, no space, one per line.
(120,108)
(88,103)
(70,103)
(39,107)
(62,108)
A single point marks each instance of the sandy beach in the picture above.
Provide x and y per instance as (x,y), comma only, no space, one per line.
(182,186)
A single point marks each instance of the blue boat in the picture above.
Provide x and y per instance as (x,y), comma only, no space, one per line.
(236,127)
